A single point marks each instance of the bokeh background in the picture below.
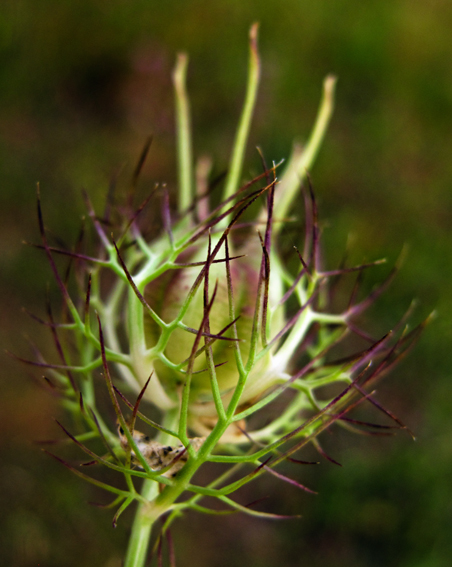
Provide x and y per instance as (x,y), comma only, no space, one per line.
(82,83)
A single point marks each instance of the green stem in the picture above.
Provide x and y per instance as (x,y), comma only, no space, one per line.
(141,528)
(147,512)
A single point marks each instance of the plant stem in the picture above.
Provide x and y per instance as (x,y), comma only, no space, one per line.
(147,513)
(141,528)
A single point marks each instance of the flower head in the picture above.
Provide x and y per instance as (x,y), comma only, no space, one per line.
(207,323)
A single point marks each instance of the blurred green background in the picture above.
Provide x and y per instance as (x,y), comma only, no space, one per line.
(82,83)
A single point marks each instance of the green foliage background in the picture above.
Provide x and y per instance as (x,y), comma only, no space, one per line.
(82,83)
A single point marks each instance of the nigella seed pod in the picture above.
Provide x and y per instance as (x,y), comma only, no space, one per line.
(207,323)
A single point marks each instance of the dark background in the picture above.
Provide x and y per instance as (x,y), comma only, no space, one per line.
(81,86)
